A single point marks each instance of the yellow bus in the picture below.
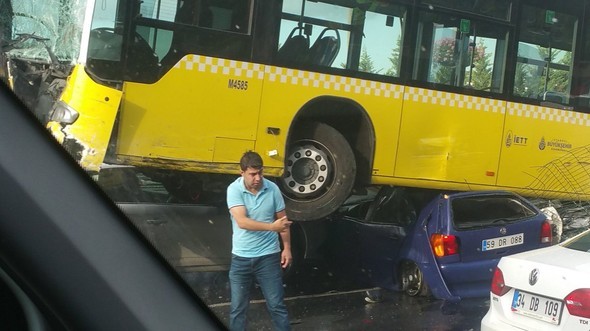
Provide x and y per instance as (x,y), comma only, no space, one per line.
(335,94)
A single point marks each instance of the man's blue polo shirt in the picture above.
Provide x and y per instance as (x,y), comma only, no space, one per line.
(260,207)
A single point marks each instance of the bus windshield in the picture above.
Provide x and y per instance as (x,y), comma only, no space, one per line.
(41,30)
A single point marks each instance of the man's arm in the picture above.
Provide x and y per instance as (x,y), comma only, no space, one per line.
(244,222)
(286,255)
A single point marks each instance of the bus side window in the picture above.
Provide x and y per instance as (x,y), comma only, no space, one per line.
(196,13)
(240,21)
(377,39)
(215,14)
(544,55)
(460,52)
(230,15)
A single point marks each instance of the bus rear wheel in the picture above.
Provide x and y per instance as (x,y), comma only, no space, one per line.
(320,170)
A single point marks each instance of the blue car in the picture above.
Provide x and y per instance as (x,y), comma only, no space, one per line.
(441,244)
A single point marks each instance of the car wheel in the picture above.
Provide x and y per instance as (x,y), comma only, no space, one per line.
(413,282)
(320,171)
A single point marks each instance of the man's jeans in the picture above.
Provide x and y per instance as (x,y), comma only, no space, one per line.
(267,272)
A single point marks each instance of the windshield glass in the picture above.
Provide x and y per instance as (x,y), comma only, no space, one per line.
(36,28)
(485,211)
(581,243)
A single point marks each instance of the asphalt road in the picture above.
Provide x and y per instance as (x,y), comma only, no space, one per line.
(320,299)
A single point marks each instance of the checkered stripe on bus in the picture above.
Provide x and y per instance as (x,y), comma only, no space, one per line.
(289,76)
(454,100)
(366,87)
(333,83)
(549,114)
(221,66)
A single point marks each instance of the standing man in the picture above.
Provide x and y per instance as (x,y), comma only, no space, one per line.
(258,217)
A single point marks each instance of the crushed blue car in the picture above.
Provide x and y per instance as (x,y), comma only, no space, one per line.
(440,244)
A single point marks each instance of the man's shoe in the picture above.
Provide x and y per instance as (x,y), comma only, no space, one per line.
(373,296)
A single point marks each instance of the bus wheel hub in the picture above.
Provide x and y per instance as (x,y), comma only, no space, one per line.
(306,170)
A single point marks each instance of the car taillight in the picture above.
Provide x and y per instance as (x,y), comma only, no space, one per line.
(578,302)
(498,287)
(444,245)
(546,235)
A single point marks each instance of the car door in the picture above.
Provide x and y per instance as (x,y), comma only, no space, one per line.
(383,233)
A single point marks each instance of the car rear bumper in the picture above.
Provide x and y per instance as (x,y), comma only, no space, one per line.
(469,279)
(500,316)
(489,323)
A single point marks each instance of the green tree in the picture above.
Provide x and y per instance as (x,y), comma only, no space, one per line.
(474,68)
(559,80)
(365,62)
(521,77)
(395,59)
(481,72)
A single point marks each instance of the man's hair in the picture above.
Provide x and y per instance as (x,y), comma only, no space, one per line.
(250,159)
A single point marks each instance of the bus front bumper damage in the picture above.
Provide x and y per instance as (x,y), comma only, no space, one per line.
(84,117)
(84,154)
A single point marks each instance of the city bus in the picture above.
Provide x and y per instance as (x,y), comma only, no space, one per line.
(335,95)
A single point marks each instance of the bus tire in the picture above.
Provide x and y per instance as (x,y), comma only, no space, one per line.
(320,171)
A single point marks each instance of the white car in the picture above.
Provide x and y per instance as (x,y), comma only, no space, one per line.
(542,289)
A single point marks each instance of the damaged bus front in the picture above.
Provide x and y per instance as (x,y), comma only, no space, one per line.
(43,54)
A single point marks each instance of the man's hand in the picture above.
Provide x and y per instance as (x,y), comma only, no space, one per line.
(286,258)
(280,224)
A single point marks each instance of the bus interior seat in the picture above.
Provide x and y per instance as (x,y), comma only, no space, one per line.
(324,50)
(553,96)
(296,47)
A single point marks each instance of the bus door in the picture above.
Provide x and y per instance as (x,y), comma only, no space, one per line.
(202,104)
(544,141)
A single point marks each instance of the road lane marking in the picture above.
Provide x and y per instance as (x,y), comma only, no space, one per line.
(309,296)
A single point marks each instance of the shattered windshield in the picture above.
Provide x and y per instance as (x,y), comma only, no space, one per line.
(35,29)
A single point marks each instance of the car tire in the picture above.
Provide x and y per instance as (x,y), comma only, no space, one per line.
(320,171)
(413,283)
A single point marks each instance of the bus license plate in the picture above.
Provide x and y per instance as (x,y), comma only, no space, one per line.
(501,242)
(536,306)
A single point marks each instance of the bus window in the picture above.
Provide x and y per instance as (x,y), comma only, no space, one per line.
(159,39)
(544,59)
(382,40)
(499,9)
(168,30)
(105,43)
(328,32)
(227,15)
(365,38)
(460,52)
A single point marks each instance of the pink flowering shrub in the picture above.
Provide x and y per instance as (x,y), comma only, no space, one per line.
(444,52)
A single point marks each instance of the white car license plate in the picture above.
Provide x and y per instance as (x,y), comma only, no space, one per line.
(501,242)
(536,306)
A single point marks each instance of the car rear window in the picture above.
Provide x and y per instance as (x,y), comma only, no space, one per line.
(581,243)
(471,212)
